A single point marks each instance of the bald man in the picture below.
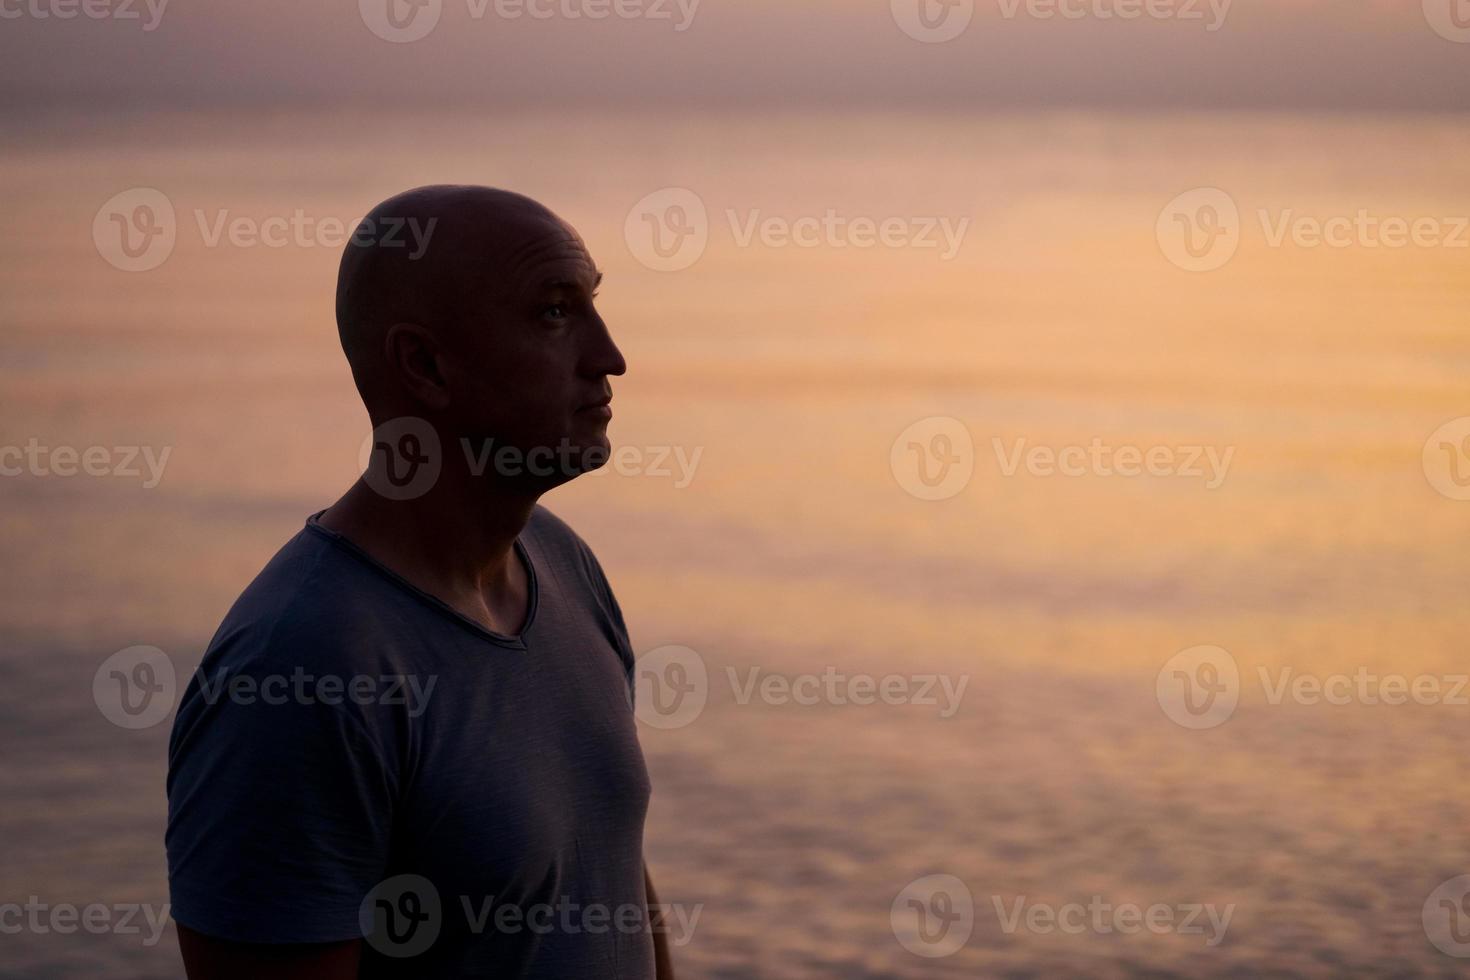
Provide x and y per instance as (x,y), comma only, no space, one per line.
(410,748)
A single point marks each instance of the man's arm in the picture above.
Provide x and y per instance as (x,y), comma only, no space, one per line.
(662,961)
(207,958)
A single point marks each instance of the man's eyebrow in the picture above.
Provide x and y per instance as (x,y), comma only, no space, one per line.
(563,283)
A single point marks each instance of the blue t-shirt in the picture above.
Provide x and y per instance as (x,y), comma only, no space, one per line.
(354,758)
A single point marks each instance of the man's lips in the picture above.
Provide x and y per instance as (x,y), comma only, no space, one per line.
(600,407)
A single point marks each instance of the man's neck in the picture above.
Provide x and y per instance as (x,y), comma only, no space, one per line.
(455,543)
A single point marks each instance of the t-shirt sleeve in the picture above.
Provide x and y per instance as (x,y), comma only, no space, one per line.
(280,812)
(609,605)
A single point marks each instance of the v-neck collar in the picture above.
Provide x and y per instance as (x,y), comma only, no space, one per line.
(515,642)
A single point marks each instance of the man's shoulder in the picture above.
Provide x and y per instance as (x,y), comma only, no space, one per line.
(308,602)
(550,530)
(576,568)
(558,542)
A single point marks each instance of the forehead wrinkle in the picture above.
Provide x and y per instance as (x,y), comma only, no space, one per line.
(526,259)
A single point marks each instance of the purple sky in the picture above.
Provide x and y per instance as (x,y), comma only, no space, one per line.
(1288,54)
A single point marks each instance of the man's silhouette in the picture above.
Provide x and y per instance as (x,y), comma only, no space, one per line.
(415,725)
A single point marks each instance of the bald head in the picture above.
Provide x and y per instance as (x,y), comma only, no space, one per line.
(433,256)
(472,309)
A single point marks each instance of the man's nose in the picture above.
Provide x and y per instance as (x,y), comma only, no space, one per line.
(602,356)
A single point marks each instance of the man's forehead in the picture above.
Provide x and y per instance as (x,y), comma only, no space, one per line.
(550,256)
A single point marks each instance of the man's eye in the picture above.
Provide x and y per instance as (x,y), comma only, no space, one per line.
(555,311)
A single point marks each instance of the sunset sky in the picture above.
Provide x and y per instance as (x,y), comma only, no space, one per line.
(1261,54)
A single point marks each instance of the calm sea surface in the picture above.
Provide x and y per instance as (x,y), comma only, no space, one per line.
(794,546)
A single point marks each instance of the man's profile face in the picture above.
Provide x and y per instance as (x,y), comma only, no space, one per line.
(530,363)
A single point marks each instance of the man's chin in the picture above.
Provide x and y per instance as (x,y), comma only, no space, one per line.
(595,453)
(582,453)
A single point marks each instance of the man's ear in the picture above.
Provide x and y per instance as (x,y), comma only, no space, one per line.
(415,360)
